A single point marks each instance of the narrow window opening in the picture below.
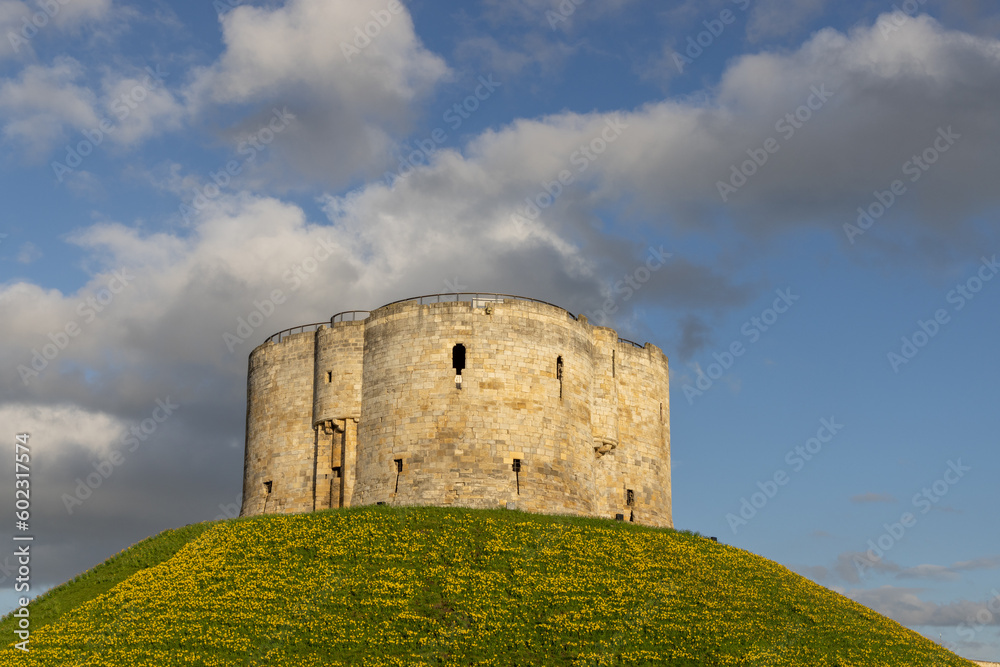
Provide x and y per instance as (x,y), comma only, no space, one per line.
(336,472)
(267,487)
(399,470)
(661,411)
(559,374)
(458,363)
(329,377)
(612,363)
(631,516)
(629,497)
(458,358)
(517,474)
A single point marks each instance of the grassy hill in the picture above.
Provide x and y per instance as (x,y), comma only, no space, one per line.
(435,586)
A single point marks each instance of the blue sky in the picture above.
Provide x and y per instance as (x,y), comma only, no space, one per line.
(167,167)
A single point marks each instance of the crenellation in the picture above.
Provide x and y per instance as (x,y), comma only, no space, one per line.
(332,412)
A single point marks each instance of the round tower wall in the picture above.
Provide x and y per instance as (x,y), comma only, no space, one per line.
(338,370)
(604,388)
(641,462)
(280,440)
(458,445)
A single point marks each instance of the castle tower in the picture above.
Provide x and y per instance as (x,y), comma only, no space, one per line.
(479,401)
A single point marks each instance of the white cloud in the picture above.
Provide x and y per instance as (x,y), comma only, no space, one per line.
(352,102)
(73,13)
(43,102)
(140,106)
(872,498)
(985,563)
(927,571)
(181,293)
(778,18)
(303,43)
(49,104)
(186,289)
(28,253)
(669,162)
(551,14)
(850,566)
(25,21)
(889,98)
(56,429)
(905,606)
(11,13)
(350,108)
(518,53)
(949,572)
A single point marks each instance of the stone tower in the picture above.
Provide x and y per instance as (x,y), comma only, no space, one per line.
(480,400)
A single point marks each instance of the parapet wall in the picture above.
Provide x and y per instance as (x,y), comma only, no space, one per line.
(547,412)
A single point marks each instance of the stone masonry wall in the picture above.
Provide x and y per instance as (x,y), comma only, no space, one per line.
(337,375)
(642,457)
(457,446)
(280,445)
(336,403)
(332,415)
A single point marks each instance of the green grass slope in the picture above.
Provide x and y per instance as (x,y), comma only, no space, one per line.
(99,580)
(435,586)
